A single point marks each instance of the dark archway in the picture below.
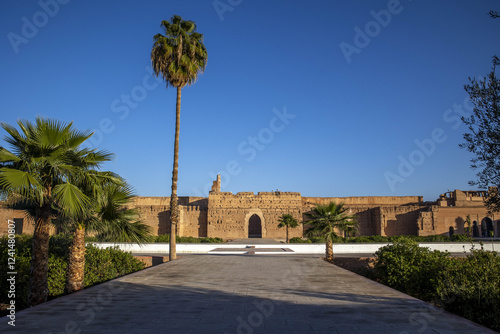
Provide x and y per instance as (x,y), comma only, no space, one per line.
(475,229)
(254,227)
(451,231)
(487,227)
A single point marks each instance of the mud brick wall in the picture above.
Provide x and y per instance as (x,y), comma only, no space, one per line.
(155,212)
(229,215)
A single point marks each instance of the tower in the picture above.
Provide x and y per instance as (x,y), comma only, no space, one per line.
(216,185)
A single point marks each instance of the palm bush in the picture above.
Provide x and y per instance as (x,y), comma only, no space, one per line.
(326,220)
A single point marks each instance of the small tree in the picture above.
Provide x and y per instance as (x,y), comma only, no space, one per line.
(326,220)
(287,221)
(107,215)
(45,157)
(483,138)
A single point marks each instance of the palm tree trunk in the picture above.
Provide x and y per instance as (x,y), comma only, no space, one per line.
(39,290)
(76,265)
(287,234)
(329,250)
(174,209)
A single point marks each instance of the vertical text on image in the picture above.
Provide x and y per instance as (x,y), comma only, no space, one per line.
(11,271)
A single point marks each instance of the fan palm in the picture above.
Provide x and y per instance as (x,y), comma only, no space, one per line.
(37,171)
(110,218)
(178,57)
(326,220)
(287,221)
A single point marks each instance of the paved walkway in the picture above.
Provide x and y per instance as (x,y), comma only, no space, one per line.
(240,294)
(255,241)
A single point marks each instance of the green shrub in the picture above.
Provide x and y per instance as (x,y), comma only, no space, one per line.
(104,264)
(368,239)
(407,267)
(314,240)
(466,286)
(461,237)
(435,238)
(470,288)
(178,239)
(100,265)
(319,240)
(56,277)
(59,245)
(163,238)
(297,240)
(212,240)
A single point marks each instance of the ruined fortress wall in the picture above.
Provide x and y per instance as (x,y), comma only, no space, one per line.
(367,218)
(369,201)
(378,215)
(226,215)
(438,220)
(229,215)
(155,212)
(400,220)
(193,222)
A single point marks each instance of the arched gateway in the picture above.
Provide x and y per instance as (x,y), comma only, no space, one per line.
(254,227)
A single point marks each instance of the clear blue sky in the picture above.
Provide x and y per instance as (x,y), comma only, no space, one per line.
(326,98)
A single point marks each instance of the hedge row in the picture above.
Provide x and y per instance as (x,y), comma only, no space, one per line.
(379,238)
(100,265)
(166,238)
(466,286)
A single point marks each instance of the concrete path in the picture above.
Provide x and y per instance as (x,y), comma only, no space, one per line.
(255,241)
(239,294)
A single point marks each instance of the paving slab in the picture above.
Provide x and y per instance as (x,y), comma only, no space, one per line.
(255,241)
(240,294)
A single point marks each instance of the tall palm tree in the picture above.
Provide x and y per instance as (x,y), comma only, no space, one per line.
(178,56)
(111,219)
(326,220)
(37,171)
(287,221)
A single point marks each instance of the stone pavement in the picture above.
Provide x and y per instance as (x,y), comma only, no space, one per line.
(255,241)
(239,294)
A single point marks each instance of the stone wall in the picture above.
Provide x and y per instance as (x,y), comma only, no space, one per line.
(229,215)
(155,212)
(400,220)
(368,201)
(439,220)
(377,215)
(23,225)
(449,213)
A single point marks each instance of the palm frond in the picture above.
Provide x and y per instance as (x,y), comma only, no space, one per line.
(6,156)
(21,182)
(70,198)
(179,56)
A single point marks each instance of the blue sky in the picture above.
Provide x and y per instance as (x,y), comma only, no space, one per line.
(326,98)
